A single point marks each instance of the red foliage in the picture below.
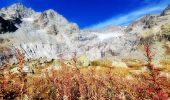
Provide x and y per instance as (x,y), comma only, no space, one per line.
(155,90)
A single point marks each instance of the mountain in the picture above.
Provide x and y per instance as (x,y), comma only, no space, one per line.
(38,34)
(49,35)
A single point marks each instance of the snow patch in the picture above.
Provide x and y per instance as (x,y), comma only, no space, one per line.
(28,19)
(105,36)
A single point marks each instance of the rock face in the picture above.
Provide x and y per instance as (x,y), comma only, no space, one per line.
(153,29)
(106,43)
(49,35)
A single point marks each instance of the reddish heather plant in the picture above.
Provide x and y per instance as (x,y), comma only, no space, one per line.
(7,56)
(20,58)
(154,86)
(22,75)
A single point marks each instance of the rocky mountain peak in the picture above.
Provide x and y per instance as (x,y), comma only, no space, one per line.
(17,10)
(51,16)
(17,6)
(51,13)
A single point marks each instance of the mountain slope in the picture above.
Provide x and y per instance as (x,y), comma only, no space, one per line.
(48,35)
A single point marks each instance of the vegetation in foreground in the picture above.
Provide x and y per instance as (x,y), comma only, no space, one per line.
(69,82)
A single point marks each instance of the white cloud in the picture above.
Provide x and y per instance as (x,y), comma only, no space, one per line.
(124,20)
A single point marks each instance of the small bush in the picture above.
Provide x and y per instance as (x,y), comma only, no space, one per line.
(95,63)
(102,63)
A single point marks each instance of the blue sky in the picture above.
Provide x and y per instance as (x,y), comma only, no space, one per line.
(96,13)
